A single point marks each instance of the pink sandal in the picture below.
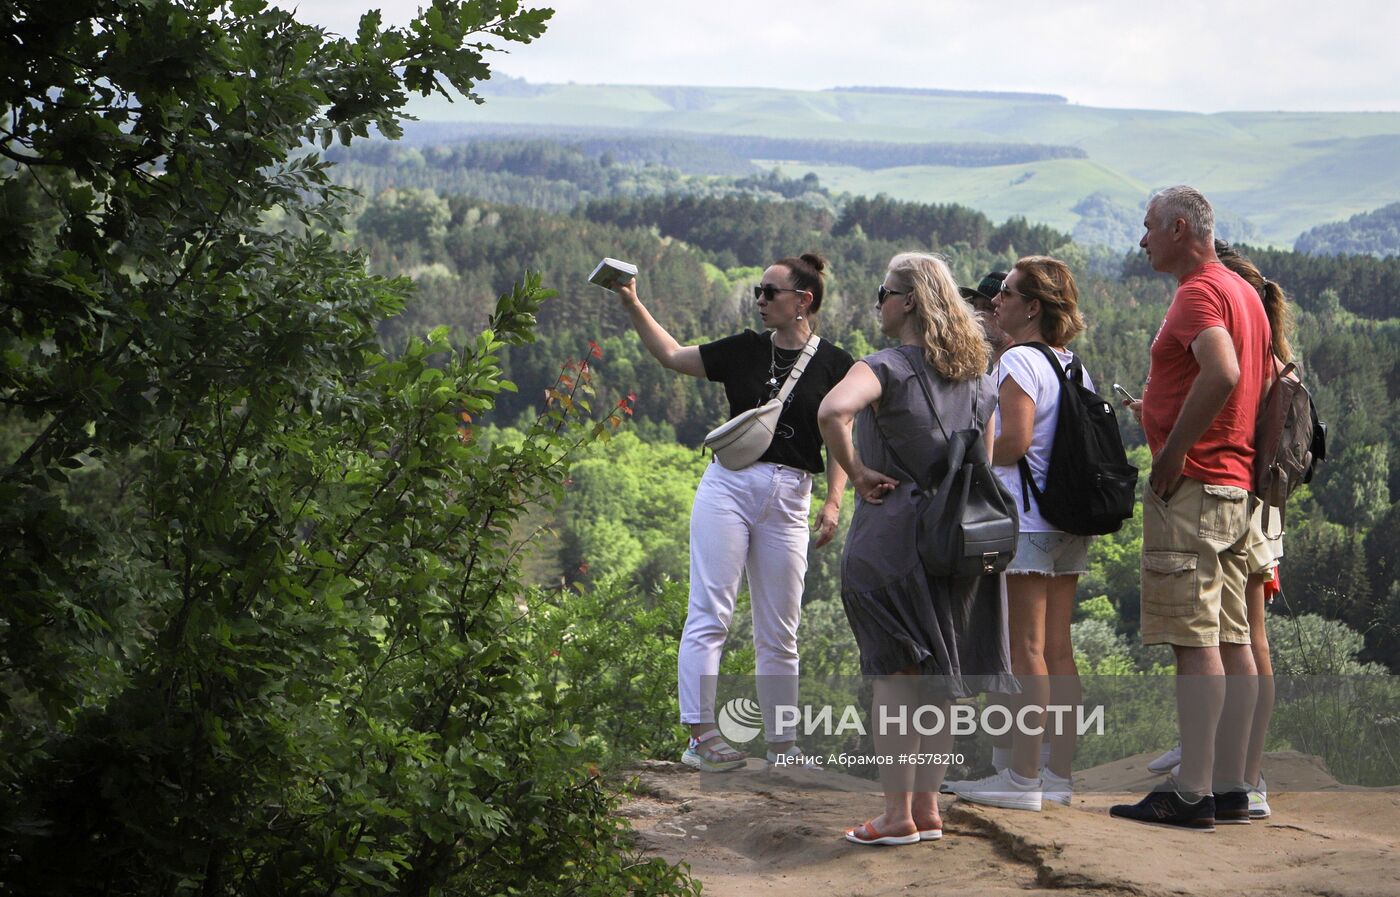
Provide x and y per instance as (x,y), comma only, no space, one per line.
(867,834)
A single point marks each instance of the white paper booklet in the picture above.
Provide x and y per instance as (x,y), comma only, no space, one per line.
(611,274)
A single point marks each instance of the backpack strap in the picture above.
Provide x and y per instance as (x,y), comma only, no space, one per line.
(917,364)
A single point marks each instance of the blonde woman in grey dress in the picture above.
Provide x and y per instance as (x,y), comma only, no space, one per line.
(925,640)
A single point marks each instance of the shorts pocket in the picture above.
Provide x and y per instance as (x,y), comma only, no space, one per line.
(1224,513)
(1170,587)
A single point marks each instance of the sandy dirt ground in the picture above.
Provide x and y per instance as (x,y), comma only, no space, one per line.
(753,832)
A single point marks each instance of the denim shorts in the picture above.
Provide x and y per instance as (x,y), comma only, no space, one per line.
(1052,554)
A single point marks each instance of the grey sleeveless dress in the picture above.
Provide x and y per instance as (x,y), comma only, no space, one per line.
(953,628)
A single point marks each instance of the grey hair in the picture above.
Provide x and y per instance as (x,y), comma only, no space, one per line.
(1188,204)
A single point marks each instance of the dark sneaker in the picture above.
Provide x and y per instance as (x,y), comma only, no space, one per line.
(1166,808)
(1232,808)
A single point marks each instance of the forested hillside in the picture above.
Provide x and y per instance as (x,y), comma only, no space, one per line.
(702,247)
(1369,233)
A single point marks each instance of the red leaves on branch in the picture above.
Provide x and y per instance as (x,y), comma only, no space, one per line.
(577,374)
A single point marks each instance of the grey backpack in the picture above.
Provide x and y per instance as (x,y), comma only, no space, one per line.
(1289,440)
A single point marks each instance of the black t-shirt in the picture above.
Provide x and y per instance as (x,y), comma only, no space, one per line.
(741,362)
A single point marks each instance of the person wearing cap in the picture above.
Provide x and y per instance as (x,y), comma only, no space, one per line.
(1037,310)
(982,298)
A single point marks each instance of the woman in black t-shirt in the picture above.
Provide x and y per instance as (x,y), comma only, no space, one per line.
(754,520)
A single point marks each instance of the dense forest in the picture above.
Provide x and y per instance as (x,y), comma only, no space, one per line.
(699,251)
(727,153)
(1369,233)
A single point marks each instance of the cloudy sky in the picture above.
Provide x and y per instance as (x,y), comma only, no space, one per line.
(1200,55)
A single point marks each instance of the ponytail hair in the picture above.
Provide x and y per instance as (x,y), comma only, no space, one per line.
(1280,313)
(1276,305)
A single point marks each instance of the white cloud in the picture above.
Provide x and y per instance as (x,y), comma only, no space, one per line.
(1200,55)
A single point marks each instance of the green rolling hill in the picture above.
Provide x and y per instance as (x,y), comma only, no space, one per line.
(1275,174)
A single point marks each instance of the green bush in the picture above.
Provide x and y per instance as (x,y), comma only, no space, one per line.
(607,652)
(261,628)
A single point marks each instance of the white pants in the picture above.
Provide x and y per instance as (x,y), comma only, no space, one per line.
(752,520)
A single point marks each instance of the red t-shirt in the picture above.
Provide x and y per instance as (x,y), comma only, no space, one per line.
(1210,296)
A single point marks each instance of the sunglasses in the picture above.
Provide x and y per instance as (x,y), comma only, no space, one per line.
(766,291)
(1006,288)
(884,293)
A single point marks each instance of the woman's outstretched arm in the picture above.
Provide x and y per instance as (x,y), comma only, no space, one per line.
(661,344)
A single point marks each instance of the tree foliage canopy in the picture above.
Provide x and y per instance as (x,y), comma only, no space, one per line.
(261,620)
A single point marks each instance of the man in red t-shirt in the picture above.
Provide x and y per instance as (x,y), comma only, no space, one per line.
(1211,362)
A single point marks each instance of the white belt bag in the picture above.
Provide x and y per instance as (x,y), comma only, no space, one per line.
(739,441)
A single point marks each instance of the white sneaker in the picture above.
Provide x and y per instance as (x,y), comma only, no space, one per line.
(1163,764)
(792,758)
(1000,790)
(1259,801)
(1055,789)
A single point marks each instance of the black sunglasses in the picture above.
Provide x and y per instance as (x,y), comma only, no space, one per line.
(766,291)
(885,293)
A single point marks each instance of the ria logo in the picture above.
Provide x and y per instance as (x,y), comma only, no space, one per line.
(740,720)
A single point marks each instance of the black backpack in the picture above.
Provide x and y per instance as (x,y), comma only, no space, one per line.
(1090,488)
(966,519)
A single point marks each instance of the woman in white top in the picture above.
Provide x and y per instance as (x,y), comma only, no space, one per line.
(1038,303)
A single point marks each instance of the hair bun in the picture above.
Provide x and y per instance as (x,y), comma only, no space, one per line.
(816,261)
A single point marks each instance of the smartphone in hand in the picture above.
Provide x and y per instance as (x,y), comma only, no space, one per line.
(1118,388)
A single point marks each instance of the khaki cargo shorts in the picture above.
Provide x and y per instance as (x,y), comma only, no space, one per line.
(1194,565)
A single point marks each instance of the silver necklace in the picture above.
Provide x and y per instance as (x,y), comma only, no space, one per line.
(776,370)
